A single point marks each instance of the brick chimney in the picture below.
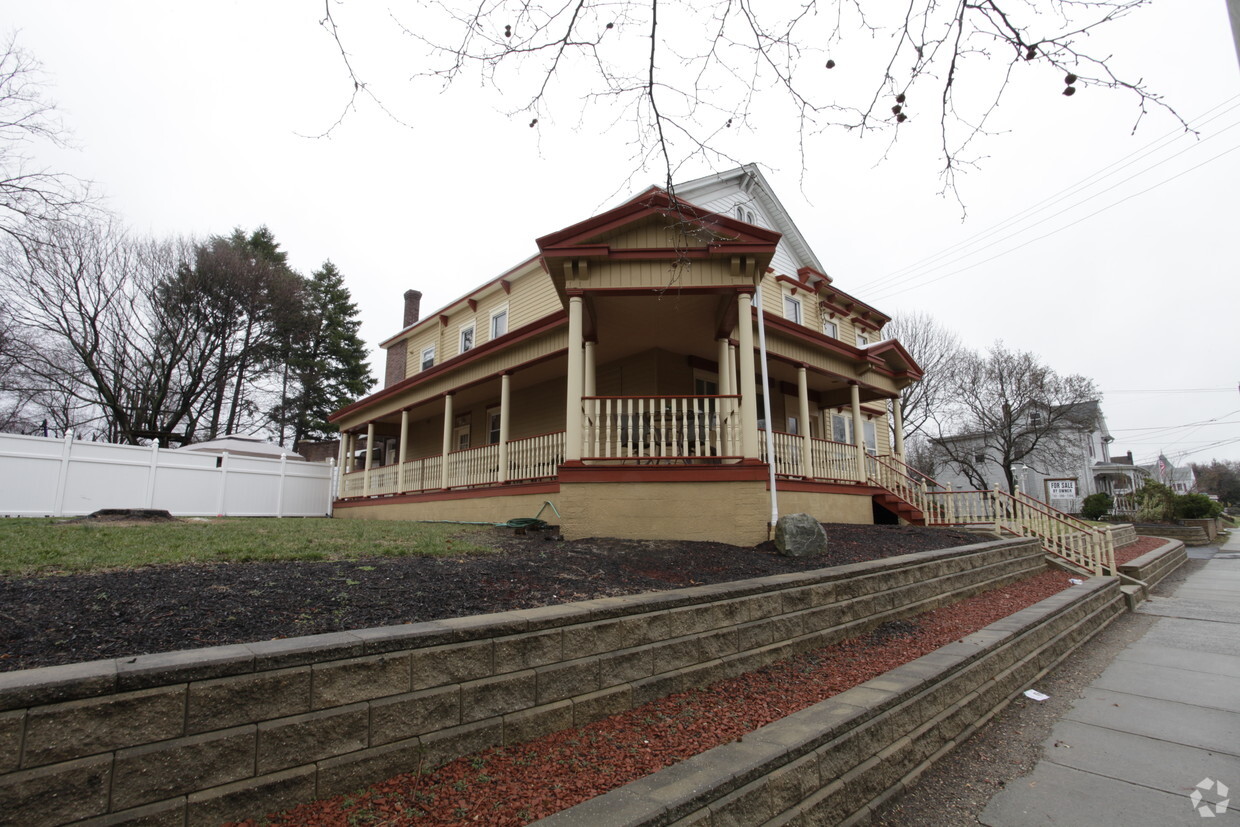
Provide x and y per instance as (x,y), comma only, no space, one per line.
(413,306)
(396,353)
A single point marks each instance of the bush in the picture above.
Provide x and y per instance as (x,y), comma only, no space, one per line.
(1096,506)
(1155,503)
(1196,507)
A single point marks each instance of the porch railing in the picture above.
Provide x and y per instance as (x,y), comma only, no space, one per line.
(1073,540)
(828,460)
(529,459)
(661,428)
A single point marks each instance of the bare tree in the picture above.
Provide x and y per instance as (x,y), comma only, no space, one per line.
(937,351)
(102,346)
(30,195)
(686,77)
(1006,407)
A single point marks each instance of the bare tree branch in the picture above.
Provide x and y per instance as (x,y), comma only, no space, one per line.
(735,54)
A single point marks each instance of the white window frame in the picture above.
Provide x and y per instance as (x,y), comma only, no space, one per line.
(462,430)
(493,425)
(836,420)
(793,303)
(870,429)
(862,339)
(428,358)
(471,330)
(498,313)
(830,328)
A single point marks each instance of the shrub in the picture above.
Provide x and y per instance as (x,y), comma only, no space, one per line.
(1096,506)
(1155,503)
(1196,507)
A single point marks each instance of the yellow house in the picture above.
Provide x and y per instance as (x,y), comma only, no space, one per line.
(619,374)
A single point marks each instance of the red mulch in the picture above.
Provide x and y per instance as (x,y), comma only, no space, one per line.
(522,783)
(1144,545)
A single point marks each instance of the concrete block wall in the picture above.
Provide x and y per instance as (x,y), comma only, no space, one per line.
(837,761)
(1151,567)
(203,736)
(1190,535)
(1124,534)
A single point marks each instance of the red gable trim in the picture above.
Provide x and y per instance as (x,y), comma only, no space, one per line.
(578,237)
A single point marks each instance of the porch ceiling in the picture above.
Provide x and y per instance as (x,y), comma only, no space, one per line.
(481,393)
(627,325)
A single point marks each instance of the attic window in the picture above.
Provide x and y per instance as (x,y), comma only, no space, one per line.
(743,214)
(1035,418)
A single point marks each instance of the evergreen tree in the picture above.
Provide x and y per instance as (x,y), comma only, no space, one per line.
(327,364)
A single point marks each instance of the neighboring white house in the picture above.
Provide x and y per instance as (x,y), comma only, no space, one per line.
(1078,465)
(1180,479)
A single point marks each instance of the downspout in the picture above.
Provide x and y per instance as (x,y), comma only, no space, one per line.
(766,410)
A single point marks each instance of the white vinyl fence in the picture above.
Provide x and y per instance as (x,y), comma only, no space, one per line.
(48,477)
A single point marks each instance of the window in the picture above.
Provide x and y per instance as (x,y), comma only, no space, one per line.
(460,432)
(979,458)
(1035,419)
(499,323)
(792,309)
(831,329)
(493,426)
(871,437)
(793,426)
(467,338)
(428,357)
(862,339)
(841,428)
(743,214)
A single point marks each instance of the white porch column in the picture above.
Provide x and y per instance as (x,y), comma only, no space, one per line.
(447,440)
(897,422)
(343,452)
(807,445)
(505,392)
(854,391)
(572,403)
(404,450)
(748,388)
(370,458)
(725,379)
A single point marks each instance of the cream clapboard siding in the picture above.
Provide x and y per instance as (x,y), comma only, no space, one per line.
(532,297)
(494,364)
(812,314)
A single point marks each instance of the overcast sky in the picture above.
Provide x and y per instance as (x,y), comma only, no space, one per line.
(1108,253)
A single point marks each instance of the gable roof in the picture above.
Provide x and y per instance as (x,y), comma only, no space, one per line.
(749,180)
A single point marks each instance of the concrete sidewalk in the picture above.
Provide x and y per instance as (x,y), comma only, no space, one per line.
(1161,719)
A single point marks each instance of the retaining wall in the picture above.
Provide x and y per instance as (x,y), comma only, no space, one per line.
(835,762)
(208,735)
(1151,567)
(1190,535)
(1124,534)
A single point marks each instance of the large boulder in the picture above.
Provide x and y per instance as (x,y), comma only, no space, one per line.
(800,535)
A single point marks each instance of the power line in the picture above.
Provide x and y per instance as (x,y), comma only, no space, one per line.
(1101,174)
(895,288)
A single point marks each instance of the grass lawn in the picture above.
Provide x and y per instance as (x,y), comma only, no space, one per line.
(44,546)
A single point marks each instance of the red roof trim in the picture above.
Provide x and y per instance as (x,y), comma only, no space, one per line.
(543,325)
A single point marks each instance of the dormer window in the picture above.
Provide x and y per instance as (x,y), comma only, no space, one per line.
(1035,419)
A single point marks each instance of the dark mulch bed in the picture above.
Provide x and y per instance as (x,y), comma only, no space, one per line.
(65,619)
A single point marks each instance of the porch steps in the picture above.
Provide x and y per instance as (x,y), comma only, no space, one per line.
(902,509)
